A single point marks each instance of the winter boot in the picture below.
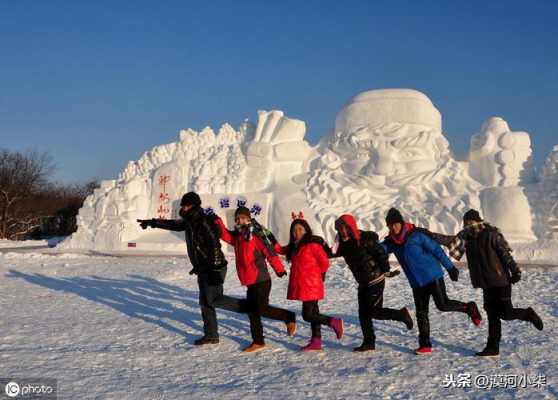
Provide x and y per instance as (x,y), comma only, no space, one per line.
(492,349)
(205,340)
(474,314)
(365,346)
(337,325)
(534,318)
(315,344)
(488,353)
(407,319)
(254,348)
(291,328)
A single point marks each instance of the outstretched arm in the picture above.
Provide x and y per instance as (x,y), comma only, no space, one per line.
(273,260)
(225,234)
(380,255)
(503,250)
(435,249)
(176,225)
(388,246)
(321,257)
(210,236)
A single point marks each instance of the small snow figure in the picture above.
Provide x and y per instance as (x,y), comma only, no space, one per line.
(224,202)
(209,211)
(256,209)
(241,202)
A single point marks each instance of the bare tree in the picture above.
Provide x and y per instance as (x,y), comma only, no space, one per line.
(22,175)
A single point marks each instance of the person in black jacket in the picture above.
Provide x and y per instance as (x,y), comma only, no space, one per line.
(209,264)
(368,261)
(493,269)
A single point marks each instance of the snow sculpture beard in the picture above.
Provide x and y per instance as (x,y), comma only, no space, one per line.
(391,165)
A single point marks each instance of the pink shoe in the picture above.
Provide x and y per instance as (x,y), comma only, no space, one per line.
(337,325)
(315,344)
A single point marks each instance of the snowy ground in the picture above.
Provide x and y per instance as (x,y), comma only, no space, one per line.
(122,328)
(11,244)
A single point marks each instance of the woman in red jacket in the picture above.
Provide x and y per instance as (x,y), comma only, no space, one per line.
(251,254)
(309,263)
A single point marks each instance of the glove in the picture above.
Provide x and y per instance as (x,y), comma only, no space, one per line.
(323,276)
(515,277)
(281,274)
(454,274)
(144,223)
(391,274)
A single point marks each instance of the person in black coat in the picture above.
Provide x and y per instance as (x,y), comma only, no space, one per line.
(492,269)
(368,261)
(203,244)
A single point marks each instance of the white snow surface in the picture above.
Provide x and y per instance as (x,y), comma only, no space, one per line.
(122,328)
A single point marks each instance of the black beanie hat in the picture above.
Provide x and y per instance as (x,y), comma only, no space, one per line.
(472,215)
(394,216)
(242,211)
(190,199)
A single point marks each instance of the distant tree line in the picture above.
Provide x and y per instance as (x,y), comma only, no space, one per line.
(31,204)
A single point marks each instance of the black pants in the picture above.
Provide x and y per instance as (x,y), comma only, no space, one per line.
(370,306)
(436,290)
(311,313)
(211,296)
(257,297)
(498,306)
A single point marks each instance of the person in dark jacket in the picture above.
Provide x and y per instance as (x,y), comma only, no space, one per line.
(251,253)
(368,261)
(208,261)
(420,257)
(492,269)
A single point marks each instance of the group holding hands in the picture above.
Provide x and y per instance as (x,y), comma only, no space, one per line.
(418,251)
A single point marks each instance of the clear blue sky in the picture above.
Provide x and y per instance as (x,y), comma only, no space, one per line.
(97,83)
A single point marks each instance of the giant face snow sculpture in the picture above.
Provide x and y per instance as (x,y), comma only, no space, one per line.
(389,134)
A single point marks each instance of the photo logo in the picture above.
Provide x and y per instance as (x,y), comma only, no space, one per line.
(12,389)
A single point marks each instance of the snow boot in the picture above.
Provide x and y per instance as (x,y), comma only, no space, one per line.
(534,318)
(337,325)
(407,319)
(423,351)
(488,353)
(315,344)
(474,314)
(492,349)
(365,346)
(205,340)
(254,348)
(291,328)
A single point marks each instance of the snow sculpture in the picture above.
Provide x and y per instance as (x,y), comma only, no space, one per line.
(228,169)
(548,195)
(387,149)
(500,160)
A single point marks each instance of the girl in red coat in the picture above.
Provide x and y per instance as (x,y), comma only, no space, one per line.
(309,263)
(251,254)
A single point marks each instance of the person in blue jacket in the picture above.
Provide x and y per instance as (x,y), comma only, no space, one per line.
(420,257)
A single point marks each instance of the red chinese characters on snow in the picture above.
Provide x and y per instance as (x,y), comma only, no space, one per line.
(164,199)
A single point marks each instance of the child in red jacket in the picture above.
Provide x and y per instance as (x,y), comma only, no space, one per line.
(309,263)
(251,254)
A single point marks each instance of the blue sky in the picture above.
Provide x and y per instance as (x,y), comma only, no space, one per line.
(97,83)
